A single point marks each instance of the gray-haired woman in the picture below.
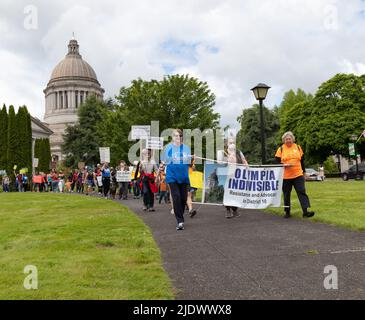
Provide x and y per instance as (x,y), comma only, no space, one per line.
(291,155)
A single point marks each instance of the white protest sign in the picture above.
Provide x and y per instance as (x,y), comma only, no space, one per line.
(123,176)
(253,188)
(140,132)
(154,143)
(104,154)
(99,181)
(35,162)
(2,172)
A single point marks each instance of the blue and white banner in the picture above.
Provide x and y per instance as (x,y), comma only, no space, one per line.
(253,188)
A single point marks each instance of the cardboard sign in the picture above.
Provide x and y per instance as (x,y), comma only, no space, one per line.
(140,132)
(104,154)
(99,180)
(352,149)
(124,176)
(154,143)
(35,162)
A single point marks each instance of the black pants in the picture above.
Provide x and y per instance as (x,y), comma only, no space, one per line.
(179,194)
(299,186)
(148,196)
(106,185)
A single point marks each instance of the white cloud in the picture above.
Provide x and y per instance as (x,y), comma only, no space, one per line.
(234,45)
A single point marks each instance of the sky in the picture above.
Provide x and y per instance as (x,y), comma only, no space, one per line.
(232,45)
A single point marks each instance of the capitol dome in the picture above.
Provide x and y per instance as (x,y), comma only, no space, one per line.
(73,66)
(72,81)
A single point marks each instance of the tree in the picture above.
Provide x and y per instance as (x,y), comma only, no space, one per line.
(177,101)
(290,99)
(3,138)
(249,137)
(24,139)
(42,151)
(82,141)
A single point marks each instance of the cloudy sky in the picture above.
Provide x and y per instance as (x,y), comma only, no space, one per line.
(232,45)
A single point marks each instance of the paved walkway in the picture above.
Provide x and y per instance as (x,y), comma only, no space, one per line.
(255,256)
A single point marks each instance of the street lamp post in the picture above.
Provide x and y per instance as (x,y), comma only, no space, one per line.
(260,92)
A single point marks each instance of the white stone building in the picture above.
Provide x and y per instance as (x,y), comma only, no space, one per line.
(72,81)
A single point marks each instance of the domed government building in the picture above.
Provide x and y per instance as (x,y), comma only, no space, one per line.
(72,81)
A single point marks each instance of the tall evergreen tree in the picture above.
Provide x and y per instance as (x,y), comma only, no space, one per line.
(13,142)
(3,138)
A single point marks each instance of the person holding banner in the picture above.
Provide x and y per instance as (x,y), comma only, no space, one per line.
(291,155)
(147,169)
(177,158)
(233,156)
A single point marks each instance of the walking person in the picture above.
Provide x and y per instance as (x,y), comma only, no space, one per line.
(105,173)
(6,183)
(161,181)
(233,157)
(123,186)
(113,183)
(147,169)
(291,155)
(177,158)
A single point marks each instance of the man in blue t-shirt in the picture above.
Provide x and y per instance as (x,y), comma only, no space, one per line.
(177,157)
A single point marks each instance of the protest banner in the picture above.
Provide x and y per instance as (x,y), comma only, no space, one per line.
(23,171)
(104,154)
(140,132)
(154,143)
(253,188)
(37,179)
(124,176)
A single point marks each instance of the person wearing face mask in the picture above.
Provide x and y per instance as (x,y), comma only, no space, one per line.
(233,157)
(291,155)
(177,157)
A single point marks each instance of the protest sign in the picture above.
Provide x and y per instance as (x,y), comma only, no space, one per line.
(23,171)
(154,143)
(196,179)
(253,188)
(37,179)
(99,180)
(140,132)
(104,154)
(35,162)
(124,176)
(2,172)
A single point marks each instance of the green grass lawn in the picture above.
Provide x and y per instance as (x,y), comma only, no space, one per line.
(335,202)
(83,248)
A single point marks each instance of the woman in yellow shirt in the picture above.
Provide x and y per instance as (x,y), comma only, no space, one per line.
(291,155)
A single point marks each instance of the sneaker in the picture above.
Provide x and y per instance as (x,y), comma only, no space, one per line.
(144,209)
(192,213)
(172,211)
(151,210)
(308,214)
(180,226)
(236,214)
(229,214)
